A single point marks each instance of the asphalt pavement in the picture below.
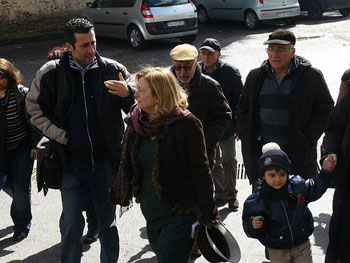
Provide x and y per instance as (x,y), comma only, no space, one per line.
(326,43)
(43,242)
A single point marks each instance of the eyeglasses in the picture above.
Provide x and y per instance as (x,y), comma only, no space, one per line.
(186,68)
(278,50)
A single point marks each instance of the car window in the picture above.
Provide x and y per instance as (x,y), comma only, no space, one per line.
(105,3)
(152,3)
(125,3)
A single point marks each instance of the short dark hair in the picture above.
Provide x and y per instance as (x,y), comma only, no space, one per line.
(76,25)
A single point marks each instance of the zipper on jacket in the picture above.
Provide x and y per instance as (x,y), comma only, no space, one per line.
(289,226)
(87,126)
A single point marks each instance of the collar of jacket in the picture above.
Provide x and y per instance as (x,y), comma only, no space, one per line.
(64,61)
(219,64)
(299,62)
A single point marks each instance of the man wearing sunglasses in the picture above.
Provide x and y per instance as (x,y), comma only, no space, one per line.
(205,100)
(286,101)
(205,97)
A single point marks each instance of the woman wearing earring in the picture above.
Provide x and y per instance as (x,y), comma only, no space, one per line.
(165,167)
(17,148)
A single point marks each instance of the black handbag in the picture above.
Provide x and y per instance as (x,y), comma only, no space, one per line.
(49,168)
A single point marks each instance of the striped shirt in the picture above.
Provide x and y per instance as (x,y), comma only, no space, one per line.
(274,106)
(16,132)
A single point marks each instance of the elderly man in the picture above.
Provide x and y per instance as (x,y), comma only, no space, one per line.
(225,170)
(286,101)
(205,97)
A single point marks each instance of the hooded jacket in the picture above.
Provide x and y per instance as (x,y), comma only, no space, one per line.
(310,104)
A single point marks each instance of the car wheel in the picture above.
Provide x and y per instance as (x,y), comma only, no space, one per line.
(136,38)
(203,15)
(188,39)
(314,10)
(251,20)
(345,12)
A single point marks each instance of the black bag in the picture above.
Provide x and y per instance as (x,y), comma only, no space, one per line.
(49,168)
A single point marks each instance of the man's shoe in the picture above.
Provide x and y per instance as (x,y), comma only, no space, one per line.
(18,236)
(91,236)
(233,204)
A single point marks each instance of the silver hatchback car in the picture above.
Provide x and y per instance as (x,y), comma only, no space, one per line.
(252,12)
(142,20)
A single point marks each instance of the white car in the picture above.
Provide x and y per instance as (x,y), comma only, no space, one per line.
(142,20)
(252,12)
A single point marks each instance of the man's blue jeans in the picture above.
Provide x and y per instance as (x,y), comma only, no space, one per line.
(18,169)
(73,188)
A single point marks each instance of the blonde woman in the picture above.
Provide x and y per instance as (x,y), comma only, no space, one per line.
(165,166)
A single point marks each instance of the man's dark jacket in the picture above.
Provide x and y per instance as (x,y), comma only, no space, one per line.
(32,138)
(310,104)
(230,81)
(208,103)
(52,97)
(337,140)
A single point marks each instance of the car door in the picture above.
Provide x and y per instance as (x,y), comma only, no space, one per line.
(101,16)
(227,9)
(120,14)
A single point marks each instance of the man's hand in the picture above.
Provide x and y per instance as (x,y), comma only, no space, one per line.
(118,87)
(330,162)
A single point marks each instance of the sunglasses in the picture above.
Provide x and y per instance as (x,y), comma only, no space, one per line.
(186,68)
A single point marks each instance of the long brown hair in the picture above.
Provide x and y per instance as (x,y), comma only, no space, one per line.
(9,71)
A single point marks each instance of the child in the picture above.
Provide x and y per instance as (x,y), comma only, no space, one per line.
(276,213)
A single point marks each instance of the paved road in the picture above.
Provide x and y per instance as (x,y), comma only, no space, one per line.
(43,243)
(326,43)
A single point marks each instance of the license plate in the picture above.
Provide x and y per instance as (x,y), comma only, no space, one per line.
(175,23)
(283,14)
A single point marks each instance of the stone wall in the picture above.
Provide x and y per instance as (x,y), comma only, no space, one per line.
(23,19)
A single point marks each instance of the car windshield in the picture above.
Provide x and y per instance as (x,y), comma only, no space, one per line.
(154,3)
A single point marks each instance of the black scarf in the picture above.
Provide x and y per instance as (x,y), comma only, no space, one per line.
(268,193)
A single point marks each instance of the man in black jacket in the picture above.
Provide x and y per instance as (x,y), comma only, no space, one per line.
(205,97)
(205,100)
(225,170)
(286,101)
(77,103)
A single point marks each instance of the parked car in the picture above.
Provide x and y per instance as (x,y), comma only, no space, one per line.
(142,20)
(315,8)
(251,12)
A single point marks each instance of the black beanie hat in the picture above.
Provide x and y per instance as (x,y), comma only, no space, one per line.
(273,156)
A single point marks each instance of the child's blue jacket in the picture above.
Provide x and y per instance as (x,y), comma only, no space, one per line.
(286,224)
